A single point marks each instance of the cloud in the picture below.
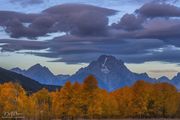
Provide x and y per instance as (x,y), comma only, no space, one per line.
(13,45)
(66,46)
(163,71)
(171,1)
(73,8)
(27,2)
(161,29)
(158,9)
(77,18)
(153,20)
(8,16)
(129,22)
(69,18)
(137,38)
(166,54)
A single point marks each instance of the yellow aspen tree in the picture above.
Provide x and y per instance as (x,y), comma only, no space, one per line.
(43,104)
(167,99)
(90,105)
(66,100)
(56,107)
(124,98)
(142,94)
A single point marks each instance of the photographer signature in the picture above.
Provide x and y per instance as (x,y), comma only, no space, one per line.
(12,114)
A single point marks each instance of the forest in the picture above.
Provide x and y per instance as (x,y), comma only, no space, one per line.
(87,100)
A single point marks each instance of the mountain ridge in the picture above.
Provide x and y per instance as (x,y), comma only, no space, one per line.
(27,83)
(110,72)
(42,74)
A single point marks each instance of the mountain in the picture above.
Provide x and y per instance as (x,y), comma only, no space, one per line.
(164,79)
(42,74)
(110,72)
(176,80)
(62,78)
(27,83)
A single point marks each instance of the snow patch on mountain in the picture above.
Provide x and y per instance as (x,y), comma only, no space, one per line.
(104,68)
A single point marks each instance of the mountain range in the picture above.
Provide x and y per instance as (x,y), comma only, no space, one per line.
(27,83)
(42,74)
(110,72)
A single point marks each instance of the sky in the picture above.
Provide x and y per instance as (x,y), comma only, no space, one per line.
(65,35)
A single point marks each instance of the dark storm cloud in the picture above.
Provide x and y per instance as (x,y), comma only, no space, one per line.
(171,56)
(158,9)
(159,26)
(77,19)
(129,22)
(152,20)
(116,47)
(67,9)
(161,29)
(13,24)
(12,45)
(7,16)
(63,47)
(69,18)
(67,48)
(37,28)
(145,35)
(80,19)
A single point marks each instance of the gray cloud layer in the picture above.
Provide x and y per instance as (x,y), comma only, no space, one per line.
(151,33)
(70,18)
(154,9)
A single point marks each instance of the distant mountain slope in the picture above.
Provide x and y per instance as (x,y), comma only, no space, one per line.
(42,74)
(176,80)
(27,83)
(164,79)
(110,72)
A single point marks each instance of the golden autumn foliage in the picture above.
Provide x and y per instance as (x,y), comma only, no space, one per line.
(87,100)
(124,102)
(42,103)
(12,97)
